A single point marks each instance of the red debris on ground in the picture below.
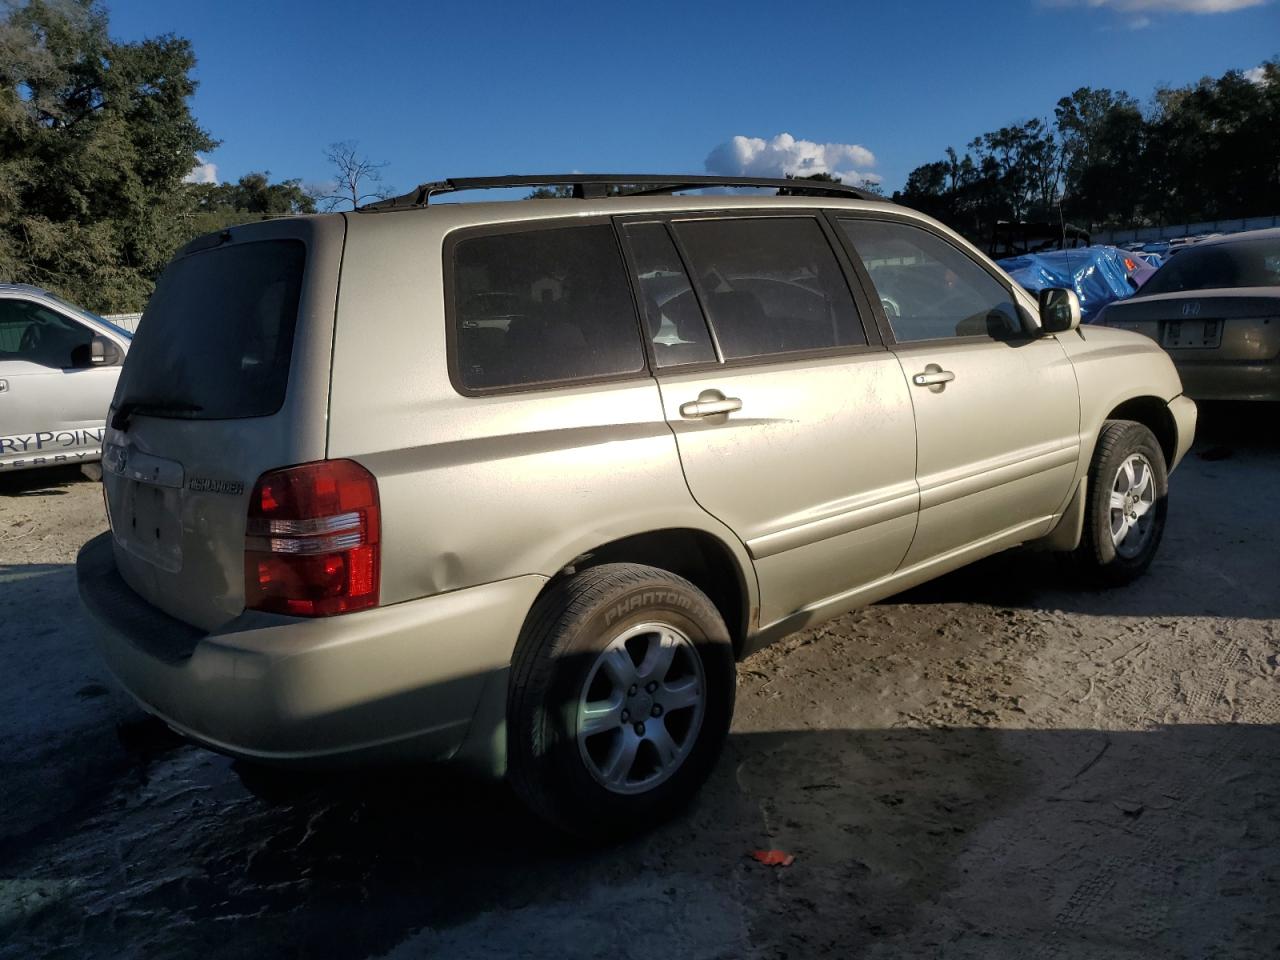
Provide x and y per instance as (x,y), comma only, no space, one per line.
(773,858)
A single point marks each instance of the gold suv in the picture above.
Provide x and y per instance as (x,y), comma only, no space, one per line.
(516,484)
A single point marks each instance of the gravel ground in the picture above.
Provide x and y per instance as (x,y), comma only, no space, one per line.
(991,766)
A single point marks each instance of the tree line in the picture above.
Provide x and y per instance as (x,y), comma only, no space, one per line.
(1207,151)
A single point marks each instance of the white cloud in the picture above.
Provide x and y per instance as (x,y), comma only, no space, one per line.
(1139,23)
(1161,6)
(202,172)
(1256,75)
(784,154)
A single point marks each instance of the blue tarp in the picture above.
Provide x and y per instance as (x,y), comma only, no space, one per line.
(1097,274)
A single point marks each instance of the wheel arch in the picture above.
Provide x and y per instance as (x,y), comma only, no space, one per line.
(699,556)
(1153,413)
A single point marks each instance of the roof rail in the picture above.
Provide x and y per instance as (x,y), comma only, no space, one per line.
(591,186)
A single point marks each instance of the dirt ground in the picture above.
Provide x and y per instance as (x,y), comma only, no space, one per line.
(992,766)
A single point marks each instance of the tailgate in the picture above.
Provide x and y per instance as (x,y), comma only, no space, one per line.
(227,378)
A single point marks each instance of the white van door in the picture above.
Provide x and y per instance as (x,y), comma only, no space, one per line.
(53,398)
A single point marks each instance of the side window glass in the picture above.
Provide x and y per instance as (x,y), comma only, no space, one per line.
(37,334)
(539,306)
(13,323)
(928,288)
(772,285)
(673,319)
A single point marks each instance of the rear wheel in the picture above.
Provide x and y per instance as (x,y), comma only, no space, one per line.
(620,700)
(1127,502)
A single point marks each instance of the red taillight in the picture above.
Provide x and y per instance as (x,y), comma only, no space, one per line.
(311,543)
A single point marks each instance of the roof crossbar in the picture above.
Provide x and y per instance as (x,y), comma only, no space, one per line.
(592,186)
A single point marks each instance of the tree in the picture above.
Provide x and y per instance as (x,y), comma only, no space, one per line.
(95,139)
(356,177)
(216,206)
(1201,152)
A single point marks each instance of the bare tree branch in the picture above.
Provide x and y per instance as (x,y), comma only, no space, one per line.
(354,176)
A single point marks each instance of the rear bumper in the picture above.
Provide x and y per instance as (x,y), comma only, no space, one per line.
(1230,379)
(401,681)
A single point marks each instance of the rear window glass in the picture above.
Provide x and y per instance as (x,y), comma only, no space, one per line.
(216,340)
(542,306)
(1247,263)
(676,326)
(772,285)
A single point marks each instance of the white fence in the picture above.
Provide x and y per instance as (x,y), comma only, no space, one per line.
(127,320)
(1152,234)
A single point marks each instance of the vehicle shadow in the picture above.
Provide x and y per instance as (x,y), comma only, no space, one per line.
(42,482)
(992,842)
(1218,554)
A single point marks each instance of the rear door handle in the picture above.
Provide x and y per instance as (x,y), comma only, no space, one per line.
(710,403)
(934,376)
(4,386)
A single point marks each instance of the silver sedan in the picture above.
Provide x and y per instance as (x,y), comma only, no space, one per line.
(1216,309)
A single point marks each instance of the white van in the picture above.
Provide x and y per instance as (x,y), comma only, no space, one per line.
(58,370)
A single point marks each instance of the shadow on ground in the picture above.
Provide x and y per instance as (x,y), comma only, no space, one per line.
(999,842)
(45,482)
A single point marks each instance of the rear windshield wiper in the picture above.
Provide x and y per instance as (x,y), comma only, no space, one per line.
(155,406)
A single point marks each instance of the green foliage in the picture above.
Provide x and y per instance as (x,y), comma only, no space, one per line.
(96,138)
(216,206)
(1202,152)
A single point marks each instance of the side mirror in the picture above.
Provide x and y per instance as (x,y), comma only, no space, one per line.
(1059,310)
(103,352)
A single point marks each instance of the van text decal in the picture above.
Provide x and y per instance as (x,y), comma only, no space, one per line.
(32,442)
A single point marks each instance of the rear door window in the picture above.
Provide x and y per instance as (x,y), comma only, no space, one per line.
(674,321)
(542,306)
(216,340)
(771,285)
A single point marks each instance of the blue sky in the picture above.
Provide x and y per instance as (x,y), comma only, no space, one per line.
(468,89)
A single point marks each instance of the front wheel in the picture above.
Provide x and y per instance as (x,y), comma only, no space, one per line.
(1127,500)
(620,700)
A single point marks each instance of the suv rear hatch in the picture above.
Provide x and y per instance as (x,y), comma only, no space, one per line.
(227,378)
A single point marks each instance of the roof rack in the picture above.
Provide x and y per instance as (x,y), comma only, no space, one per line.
(591,186)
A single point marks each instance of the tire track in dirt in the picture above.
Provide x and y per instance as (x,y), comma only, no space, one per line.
(1150,869)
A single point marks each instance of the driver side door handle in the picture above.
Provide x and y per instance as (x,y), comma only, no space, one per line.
(929,379)
(710,403)
(933,377)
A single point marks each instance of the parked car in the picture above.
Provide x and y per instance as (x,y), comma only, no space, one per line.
(1216,309)
(58,369)
(515,484)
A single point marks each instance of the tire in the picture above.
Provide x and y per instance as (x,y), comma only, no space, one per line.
(1102,559)
(569,676)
